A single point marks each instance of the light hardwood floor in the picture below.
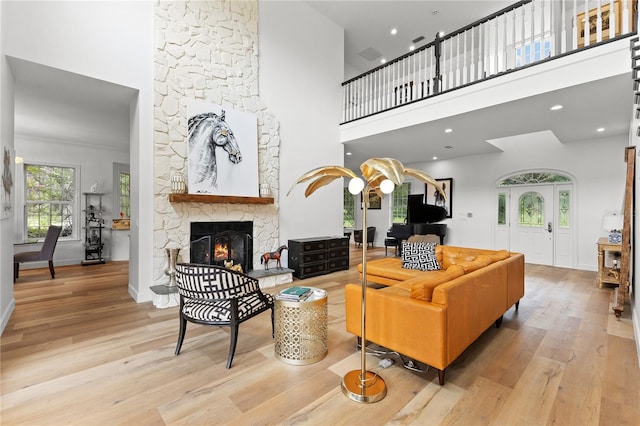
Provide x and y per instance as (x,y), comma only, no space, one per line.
(78,350)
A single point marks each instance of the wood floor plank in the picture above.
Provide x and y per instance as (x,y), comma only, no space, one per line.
(78,350)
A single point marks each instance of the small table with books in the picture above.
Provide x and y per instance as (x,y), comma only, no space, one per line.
(301,325)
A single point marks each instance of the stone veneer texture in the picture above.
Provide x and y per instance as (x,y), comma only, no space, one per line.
(207,51)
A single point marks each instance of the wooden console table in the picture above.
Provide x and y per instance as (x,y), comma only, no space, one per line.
(607,274)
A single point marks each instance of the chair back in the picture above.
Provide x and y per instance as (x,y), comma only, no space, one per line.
(50,241)
(210,282)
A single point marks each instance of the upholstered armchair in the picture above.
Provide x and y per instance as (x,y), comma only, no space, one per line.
(45,253)
(212,295)
(371,233)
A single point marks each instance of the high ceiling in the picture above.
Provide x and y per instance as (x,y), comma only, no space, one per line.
(60,105)
(367,26)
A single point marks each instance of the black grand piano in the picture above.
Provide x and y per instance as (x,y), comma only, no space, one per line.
(421,218)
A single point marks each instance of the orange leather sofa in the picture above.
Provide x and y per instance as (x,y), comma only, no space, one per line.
(433,316)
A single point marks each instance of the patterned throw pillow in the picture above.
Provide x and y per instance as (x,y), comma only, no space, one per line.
(420,256)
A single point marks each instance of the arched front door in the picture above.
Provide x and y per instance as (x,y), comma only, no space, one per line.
(535,218)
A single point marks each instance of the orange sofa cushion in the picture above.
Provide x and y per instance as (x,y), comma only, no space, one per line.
(422,287)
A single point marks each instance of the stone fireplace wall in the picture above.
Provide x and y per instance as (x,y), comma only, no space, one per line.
(207,51)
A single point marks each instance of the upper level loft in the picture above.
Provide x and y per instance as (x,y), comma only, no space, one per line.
(526,34)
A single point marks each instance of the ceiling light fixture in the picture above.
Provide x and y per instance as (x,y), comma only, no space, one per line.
(556,107)
(412,48)
(441,34)
(348,153)
(448,130)
(600,129)
(435,158)
(394,31)
(383,61)
(435,12)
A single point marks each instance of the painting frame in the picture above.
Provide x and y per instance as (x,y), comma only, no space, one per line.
(8,182)
(593,20)
(375,201)
(430,197)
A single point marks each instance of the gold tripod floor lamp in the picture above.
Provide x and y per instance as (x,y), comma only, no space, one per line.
(380,175)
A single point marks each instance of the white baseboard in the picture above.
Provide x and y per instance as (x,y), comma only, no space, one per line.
(7,314)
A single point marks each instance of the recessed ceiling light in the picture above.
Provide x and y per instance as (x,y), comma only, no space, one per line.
(383,61)
(441,34)
(600,129)
(435,12)
(348,153)
(394,31)
(448,147)
(412,48)
(556,107)
(448,130)
(435,158)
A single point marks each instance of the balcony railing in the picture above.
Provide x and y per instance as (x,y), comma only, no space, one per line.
(521,35)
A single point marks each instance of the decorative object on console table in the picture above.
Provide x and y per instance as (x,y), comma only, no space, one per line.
(380,175)
(93,229)
(442,199)
(613,223)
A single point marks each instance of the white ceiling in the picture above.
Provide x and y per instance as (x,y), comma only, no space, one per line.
(57,105)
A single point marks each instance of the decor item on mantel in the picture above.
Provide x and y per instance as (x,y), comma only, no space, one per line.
(213,130)
(177,183)
(265,190)
(172,259)
(380,175)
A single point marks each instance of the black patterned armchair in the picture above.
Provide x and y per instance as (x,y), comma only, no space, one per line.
(212,295)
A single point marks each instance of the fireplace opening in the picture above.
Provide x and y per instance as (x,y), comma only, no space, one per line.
(217,243)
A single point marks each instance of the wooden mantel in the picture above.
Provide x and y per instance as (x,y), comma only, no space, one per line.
(205,198)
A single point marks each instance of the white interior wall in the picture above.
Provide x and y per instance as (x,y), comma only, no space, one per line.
(597,166)
(94,165)
(7,302)
(110,41)
(301,69)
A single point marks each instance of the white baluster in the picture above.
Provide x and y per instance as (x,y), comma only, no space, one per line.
(613,20)
(472,70)
(503,49)
(598,23)
(496,59)
(587,27)
(626,28)
(533,31)
(513,39)
(480,75)
(563,31)
(464,60)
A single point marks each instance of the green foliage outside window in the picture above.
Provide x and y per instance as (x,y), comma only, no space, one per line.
(50,198)
(399,203)
(125,194)
(348,213)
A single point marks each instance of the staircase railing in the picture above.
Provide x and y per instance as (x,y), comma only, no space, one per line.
(524,34)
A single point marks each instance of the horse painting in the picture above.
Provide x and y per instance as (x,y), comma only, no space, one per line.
(208,131)
(273,255)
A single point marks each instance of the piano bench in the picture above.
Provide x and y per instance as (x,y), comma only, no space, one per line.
(391,242)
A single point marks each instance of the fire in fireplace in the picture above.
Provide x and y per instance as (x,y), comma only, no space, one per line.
(216,243)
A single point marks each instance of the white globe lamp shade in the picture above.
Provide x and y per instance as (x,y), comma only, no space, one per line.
(386,186)
(356,185)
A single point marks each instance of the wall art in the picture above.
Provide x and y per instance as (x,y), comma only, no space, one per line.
(222,150)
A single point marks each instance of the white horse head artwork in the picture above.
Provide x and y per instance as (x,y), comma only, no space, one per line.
(207,132)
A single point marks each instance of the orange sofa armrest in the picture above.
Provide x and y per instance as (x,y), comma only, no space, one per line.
(412,327)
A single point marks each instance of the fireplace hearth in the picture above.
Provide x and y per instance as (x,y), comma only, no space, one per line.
(216,243)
